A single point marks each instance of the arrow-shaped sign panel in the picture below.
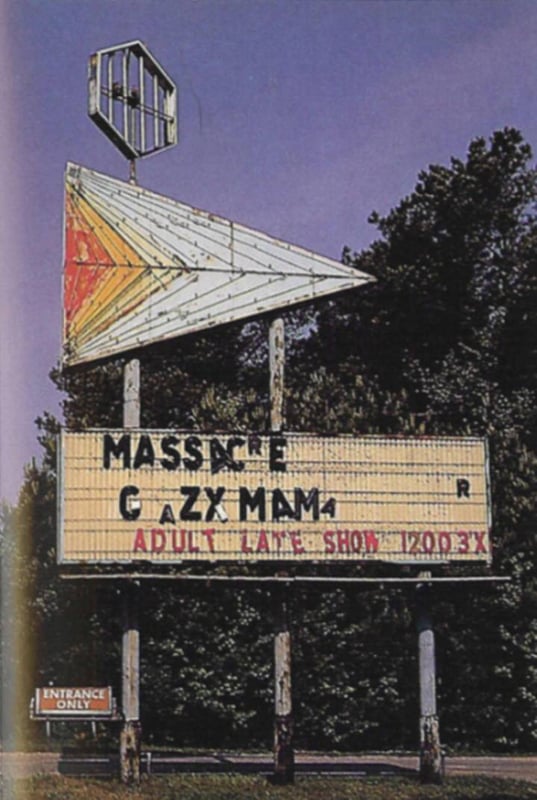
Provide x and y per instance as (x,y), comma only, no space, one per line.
(142,268)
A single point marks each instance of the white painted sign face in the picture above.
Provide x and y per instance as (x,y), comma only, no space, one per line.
(142,268)
(171,496)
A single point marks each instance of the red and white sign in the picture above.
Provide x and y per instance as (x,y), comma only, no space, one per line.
(93,701)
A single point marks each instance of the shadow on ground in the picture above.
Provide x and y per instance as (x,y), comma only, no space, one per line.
(160,764)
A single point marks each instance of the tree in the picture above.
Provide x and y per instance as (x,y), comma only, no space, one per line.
(447,338)
(455,263)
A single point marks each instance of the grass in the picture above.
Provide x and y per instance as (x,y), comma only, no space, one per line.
(248,787)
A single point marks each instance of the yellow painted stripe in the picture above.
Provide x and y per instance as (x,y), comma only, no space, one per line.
(121,285)
(127,228)
(151,282)
(126,287)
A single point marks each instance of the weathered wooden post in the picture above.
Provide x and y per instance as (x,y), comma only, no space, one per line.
(276,369)
(131,394)
(430,748)
(284,757)
(284,761)
(131,732)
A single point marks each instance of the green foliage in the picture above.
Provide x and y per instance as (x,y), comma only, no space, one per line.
(449,329)
(356,679)
(206,667)
(54,630)
(455,263)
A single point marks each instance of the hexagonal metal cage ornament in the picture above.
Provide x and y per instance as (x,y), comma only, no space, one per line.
(132,99)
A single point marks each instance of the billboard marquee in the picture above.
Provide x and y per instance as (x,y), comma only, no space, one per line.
(141,268)
(170,496)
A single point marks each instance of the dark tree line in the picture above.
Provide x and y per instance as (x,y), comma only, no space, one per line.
(444,342)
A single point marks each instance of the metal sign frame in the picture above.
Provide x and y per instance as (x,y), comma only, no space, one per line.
(132,99)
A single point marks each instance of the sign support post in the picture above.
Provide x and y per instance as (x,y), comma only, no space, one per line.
(430,749)
(131,732)
(276,368)
(284,762)
(284,756)
(131,394)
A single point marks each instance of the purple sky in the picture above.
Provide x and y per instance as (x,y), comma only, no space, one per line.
(297,117)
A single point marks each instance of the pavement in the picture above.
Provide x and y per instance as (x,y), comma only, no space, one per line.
(18,765)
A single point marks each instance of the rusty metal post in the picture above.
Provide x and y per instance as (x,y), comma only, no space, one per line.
(284,758)
(430,748)
(130,739)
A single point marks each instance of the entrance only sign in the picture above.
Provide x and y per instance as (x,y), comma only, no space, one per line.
(169,496)
(80,701)
(141,268)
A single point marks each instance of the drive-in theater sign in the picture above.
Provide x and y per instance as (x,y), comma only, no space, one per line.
(141,269)
(169,496)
